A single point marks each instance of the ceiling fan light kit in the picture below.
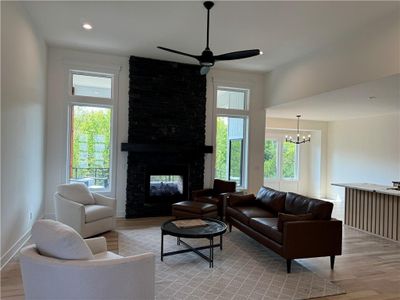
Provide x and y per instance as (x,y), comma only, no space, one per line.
(207,58)
(297,140)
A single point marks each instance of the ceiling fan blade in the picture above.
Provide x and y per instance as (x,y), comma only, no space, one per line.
(238,54)
(204,70)
(178,52)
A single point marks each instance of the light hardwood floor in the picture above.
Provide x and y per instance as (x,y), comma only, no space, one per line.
(368,269)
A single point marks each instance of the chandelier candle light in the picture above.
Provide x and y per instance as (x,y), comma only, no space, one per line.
(297,141)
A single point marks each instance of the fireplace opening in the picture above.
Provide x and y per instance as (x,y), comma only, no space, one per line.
(165,186)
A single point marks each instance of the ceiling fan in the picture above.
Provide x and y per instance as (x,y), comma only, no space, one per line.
(207,58)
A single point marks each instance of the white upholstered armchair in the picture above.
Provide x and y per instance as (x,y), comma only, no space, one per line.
(61,265)
(88,213)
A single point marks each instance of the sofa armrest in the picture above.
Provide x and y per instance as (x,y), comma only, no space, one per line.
(97,244)
(202,193)
(312,238)
(69,212)
(241,200)
(103,200)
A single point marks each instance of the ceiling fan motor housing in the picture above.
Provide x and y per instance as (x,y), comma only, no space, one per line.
(207,58)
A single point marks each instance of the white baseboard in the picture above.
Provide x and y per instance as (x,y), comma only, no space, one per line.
(9,255)
(5,259)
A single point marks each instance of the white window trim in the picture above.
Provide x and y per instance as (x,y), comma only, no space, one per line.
(112,103)
(222,112)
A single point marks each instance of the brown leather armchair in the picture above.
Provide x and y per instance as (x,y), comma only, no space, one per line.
(217,195)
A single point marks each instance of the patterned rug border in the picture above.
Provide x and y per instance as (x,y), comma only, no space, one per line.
(244,269)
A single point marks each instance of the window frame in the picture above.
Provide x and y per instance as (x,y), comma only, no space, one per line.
(111,103)
(234,113)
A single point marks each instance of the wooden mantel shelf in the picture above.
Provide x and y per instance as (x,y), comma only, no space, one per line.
(165,148)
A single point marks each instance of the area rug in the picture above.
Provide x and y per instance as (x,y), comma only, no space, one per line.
(244,269)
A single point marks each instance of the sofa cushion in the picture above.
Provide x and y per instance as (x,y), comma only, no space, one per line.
(244,213)
(297,204)
(242,200)
(55,239)
(222,186)
(267,227)
(271,199)
(97,212)
(282,218)
(77,192)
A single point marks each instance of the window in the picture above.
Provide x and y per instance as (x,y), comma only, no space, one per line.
(90,129)
(231,135)
(90,146)
(289,161)
(229,149)
(280,160)
(231,99)
(91,85)
(271,159)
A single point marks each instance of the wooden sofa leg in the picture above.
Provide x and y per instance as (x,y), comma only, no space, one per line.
(288,265)
(230,227)
(332,261)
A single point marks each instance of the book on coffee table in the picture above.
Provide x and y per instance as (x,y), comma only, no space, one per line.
(192,223)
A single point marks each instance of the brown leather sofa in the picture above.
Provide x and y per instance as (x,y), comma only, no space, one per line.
(217,195)
(313,234)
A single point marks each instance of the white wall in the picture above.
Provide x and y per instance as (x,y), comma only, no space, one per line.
(371,54)
(59,60)
(363,150)
(23,93)
(247,80)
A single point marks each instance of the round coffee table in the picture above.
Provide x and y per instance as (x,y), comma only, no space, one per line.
(214,228)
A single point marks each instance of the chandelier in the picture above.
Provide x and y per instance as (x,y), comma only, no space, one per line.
(297,141)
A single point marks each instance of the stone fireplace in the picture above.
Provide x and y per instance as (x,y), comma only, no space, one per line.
(166,135)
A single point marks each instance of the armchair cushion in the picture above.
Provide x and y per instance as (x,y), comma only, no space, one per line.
(55,239)
(97,244)
(77,192)
(210,200)
(106,255)
(97,212)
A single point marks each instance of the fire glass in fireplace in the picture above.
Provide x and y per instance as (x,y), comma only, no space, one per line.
(165,186)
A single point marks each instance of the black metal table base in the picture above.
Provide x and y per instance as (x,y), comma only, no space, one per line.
(211,247)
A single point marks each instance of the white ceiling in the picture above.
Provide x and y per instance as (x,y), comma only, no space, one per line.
(347,103)
(284,31)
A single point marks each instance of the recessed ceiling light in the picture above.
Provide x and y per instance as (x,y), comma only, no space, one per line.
(87,26)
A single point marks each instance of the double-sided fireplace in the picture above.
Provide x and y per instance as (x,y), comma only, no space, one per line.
(154,185)
(166,135)
(164,186)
